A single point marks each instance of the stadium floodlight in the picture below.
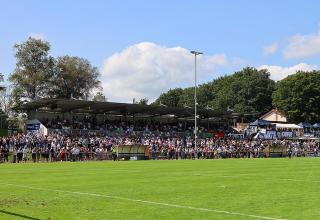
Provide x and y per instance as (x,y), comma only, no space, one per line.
(195,53)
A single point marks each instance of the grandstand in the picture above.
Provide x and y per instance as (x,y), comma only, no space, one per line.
(97,113)
(64,106)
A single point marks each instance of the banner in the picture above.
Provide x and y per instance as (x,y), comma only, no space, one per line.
(286,134)
(270,135)
(218,134)
(33,127)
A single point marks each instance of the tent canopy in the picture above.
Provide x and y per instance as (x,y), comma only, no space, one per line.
(305,125)
(260,122)
(316,125)
(289,126)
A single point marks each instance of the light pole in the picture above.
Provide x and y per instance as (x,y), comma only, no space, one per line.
(195,53)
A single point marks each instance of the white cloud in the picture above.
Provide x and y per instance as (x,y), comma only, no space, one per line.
(147,69)
(303,46)
(279,72)
(38,36)
(270,49)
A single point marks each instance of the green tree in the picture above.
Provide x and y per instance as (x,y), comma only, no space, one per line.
(170,98)
(248,90)
(222,94)
(75,78)
(298,96)
(6,100)
(99,97)
(252,90)
(187,97)
(205,94)
(5,103)
(2,80)
(17,95)
(143,101)
(34,68)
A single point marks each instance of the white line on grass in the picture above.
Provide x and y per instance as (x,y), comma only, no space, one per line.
(146,202)
(299,180)
(281,179)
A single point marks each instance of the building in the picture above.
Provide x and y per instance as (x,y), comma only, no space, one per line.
(274,116)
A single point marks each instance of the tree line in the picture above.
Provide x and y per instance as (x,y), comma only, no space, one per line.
(39,75)
(252,90)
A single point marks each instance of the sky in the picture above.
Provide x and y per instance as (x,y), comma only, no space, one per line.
(142,48)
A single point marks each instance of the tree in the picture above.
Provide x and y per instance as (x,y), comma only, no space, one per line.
(6,101)
(187,97)
(251,90)
(298,96)
(205,94)
(99,97)
(34,68)
(170,98)
(248,90)
(222,94)
(75,78)
(143,101)
(2,80)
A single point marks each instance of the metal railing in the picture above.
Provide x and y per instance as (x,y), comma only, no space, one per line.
(158,155)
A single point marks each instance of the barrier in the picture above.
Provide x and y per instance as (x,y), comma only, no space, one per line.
(276,151)
(133,152)
(141,152)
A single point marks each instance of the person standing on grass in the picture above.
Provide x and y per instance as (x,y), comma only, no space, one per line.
(38,152)
(114,153)
(46,154)
(153,151)
(34,154)
(289,151)
(62,154)
(25,154)
(19,155)
(52,154)
(75,154)
(5,154)
(1,154)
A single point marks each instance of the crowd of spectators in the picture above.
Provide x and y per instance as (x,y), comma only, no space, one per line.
(91,123)
(61,147)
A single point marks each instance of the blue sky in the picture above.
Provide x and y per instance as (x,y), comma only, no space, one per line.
(136,44)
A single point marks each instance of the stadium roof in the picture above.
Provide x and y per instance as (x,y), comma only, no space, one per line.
(93,107)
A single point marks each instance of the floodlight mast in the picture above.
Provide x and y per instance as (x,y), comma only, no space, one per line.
(195,53)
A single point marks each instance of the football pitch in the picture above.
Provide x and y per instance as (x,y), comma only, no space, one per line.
(198,189)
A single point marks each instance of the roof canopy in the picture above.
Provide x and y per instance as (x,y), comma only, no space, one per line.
(92,107)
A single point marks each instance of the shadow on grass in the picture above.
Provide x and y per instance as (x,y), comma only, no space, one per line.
(18,215)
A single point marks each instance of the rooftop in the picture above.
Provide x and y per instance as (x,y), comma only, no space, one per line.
(93,107)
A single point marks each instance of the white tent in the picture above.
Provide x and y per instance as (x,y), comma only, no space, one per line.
(289,126)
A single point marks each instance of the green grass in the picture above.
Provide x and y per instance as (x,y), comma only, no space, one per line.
(276,188)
